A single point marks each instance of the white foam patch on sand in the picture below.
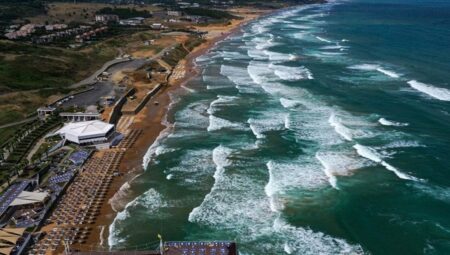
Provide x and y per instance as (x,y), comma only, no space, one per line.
(372,155)
(338,164)
(435,92)
(290,73)
(376,67)
(155,148)
(386,122)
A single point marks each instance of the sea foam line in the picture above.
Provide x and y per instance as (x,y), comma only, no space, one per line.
(372,155)
(386,122)
(438,93)
(375,67)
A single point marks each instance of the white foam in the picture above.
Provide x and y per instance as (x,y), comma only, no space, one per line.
(193,115)
(188,89)
(288,103)
(290,73)
(216,123)
(151,201)
(239,76)
(334,47)
(375,67)
(169,177)
(297,26)
(154,148)
(438,93)
(220,102)
(386,122)
(372,155)
(323,39)
(301,35)
(402,144)
(279,57)
(220,158)
(342,130)
(389,73)
(272,121)
(337,164)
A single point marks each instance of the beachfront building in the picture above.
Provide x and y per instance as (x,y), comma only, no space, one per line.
(89,133)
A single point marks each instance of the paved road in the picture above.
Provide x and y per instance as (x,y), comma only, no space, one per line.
(93,78)
(119,64)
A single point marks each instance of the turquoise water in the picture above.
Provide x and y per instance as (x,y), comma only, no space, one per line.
(318,130)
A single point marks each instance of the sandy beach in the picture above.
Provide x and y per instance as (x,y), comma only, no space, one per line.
(150,120)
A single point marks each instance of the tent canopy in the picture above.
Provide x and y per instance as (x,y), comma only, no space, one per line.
(15,231)
(26,197)
(6,251)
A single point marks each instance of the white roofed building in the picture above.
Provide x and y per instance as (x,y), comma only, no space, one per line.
(95,132)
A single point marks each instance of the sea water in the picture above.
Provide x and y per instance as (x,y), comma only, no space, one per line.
(322,129)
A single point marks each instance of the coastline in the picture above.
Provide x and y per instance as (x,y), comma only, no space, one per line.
(152,120)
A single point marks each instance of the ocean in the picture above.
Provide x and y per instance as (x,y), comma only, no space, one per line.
(322,129)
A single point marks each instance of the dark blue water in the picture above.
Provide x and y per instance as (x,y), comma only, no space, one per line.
(318,130)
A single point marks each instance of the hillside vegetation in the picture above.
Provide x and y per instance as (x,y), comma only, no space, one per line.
(30,67)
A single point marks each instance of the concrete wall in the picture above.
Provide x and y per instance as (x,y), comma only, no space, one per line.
(116,112)
(145,100)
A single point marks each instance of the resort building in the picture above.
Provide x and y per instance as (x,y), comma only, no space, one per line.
(44,112)
(89,133)
(105,18)
(80,116)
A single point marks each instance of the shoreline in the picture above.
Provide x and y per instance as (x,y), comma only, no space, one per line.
(153,120)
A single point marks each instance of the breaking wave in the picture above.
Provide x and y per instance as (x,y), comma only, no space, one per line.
(438,93)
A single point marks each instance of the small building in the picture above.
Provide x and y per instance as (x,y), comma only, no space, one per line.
(105,18)
(157,26)
(44,112)
(174,13)
(80,116)
(132,21)
(89,133)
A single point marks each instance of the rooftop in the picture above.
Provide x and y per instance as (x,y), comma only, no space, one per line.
(86,128)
